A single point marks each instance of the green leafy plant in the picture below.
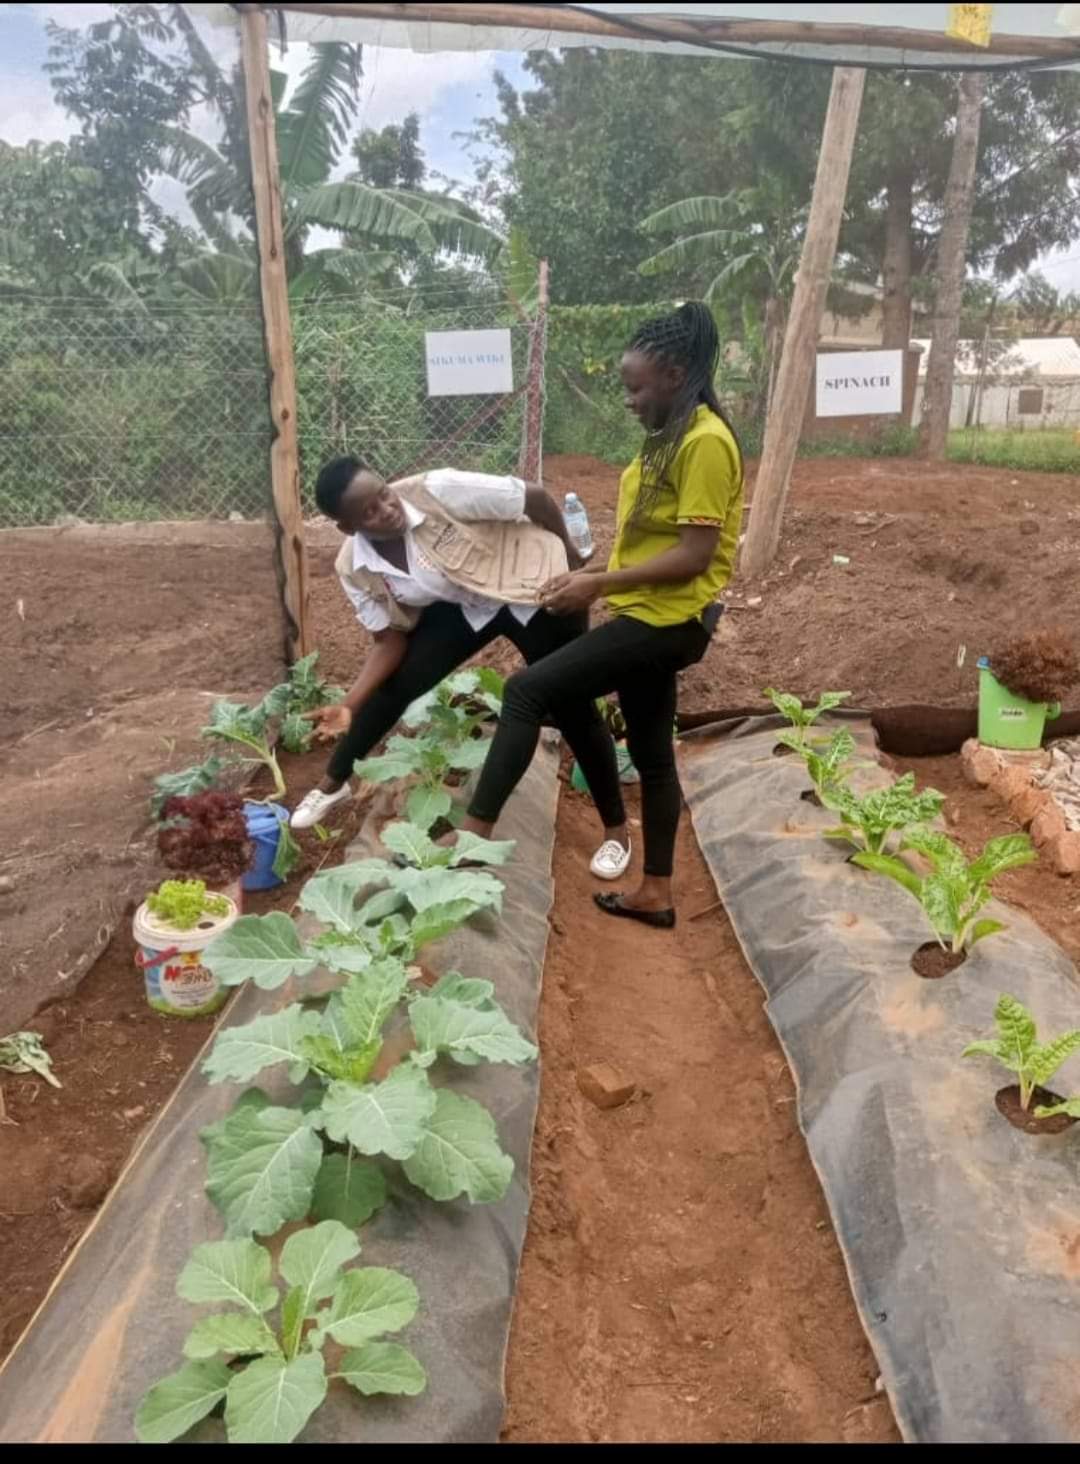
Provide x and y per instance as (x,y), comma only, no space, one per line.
(446,742)
(1017,1048)
(803,718)
(24,1052)
(867,822)
(304,691)
(187,783)
(828,766)
(249,728)
(955,891)
(263,1356)
(271,1164)
(182,903)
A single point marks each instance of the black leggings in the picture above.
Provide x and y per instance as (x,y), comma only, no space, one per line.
(442,641)
(641,663)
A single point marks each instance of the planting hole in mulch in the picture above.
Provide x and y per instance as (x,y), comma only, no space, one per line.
(809,795)
(782,750)
(1008,1105)
(932,961)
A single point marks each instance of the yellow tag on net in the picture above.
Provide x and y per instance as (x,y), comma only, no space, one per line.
(970,23)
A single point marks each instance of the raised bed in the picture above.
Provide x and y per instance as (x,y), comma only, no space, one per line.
(112,1322)
(958,1231)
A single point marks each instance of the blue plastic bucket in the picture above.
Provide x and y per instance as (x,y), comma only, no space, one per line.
(264,821)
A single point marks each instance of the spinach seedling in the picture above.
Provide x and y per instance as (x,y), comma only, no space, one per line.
(1017,1048)
(803,718)
(867,822)
(263,1356)
(827,767)
(955,891)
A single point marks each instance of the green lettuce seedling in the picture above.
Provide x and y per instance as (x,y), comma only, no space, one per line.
(867,822)
(1017,1048)
(803,718)
(826,768)
(182,903)
(955,891)
(263,1356)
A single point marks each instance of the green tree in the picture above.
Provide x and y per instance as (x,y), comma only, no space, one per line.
(603,139)
(392,157)
(123,84)
(743,246)
(1027,189)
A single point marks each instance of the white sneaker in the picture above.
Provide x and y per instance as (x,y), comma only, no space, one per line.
(314,807)
(611,860)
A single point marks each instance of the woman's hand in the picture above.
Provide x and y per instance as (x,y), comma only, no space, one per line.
(567,594)
(330,722)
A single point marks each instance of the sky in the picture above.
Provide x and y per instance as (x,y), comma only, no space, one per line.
(449,90)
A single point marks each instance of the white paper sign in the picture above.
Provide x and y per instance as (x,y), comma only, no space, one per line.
(468,362)
(860,383)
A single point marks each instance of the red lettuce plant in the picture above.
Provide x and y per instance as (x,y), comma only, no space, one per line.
(206,835)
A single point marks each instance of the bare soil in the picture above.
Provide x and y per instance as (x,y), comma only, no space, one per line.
(681,1282)
(941,558)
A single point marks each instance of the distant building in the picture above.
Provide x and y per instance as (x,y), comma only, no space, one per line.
(1022,384)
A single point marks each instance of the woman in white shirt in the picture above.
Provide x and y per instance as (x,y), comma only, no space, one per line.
(425,622)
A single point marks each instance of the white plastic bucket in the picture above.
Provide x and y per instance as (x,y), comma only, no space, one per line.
(177,982)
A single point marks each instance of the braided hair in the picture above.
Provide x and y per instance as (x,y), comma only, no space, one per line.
(687,338)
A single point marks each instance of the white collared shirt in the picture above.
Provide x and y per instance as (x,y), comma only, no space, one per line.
(472,497)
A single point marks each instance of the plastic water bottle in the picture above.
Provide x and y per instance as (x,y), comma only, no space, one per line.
(577,525)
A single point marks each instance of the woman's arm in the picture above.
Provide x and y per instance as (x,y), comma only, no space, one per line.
(386,656)
(543,511)
(690,557)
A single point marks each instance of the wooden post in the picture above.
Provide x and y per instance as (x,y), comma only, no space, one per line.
(531,460)
(290,555)
(804,323)
(951,269)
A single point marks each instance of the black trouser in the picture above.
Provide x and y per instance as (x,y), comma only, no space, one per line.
(641,663)
(440,643)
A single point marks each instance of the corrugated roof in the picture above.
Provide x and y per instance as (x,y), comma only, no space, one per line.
(1030,356)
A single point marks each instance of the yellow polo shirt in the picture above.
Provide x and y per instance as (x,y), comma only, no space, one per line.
(705,486)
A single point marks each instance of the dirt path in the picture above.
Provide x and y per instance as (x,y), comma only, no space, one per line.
(680,1281)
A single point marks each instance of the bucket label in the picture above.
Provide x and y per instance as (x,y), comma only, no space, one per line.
(186,983)
(181,983)
(1012,714)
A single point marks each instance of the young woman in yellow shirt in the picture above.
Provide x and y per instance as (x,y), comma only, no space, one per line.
(677,532)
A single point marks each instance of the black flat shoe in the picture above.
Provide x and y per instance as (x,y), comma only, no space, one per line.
(613,905)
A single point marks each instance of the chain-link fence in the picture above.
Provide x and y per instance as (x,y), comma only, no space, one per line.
(110,413)
(146,413)
(362,386)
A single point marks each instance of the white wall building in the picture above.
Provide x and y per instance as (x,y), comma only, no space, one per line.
(1022,384)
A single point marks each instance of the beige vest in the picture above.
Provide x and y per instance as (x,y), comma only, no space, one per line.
(504,561)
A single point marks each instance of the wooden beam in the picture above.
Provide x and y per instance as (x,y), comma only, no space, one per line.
(692,30)
(804,323)
(277,328)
